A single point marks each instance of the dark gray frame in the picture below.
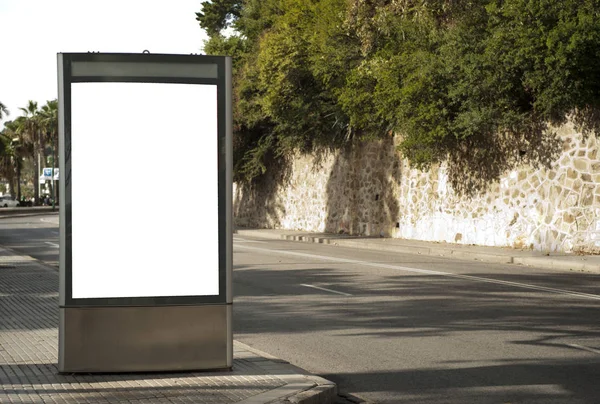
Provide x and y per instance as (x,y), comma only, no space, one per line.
(146,68)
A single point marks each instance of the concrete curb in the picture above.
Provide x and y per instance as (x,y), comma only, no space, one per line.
(301,388)
(561,263)
(575,263)
(320,394)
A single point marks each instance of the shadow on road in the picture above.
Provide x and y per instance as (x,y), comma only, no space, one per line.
(414,307)
(569,382)
(434,304)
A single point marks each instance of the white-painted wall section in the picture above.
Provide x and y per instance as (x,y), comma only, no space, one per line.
(369,189)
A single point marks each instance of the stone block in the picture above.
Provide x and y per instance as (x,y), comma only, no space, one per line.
(565,161)
(568,218)
(581,164)
(539,207)
(569,184)
(571,200)
(587,199)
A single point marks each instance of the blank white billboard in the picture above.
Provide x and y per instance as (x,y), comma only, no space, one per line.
(144,190)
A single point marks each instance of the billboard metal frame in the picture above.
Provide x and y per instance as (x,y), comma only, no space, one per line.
(146,68)
(134,64)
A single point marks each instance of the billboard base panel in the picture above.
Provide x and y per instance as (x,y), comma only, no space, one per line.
(144,339)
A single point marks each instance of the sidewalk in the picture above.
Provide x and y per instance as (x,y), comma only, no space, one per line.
(555,261)
(28,357)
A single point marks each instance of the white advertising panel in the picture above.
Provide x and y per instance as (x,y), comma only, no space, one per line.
(144,190)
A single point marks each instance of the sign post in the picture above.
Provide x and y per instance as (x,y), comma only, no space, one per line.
(145,261)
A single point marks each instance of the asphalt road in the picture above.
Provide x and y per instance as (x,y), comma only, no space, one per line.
(410,329)
(35,235)
(404,328)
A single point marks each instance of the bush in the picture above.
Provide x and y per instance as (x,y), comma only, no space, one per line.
(473,83)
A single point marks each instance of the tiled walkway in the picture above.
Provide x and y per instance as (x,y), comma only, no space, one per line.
(29,349)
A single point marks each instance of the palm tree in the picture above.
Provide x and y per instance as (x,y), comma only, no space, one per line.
(7,159)
(6,153)
(31,130)
(48,121)
(3,111)
(15,149)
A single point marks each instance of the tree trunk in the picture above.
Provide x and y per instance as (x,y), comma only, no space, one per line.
(11,186)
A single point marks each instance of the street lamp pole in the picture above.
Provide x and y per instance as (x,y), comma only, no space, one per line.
(53,187)
(17,157)
(18,179)
(39,159)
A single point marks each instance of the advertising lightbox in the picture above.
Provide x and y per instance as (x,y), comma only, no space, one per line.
(145,218)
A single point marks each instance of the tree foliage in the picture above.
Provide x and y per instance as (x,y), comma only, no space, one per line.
(217,15)
(3,111)
(475,83)
(27,137)
(12,151)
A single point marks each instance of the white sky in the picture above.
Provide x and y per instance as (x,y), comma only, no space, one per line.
(34,31)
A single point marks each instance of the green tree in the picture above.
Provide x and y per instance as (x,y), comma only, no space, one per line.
(7,161)
(33,134)
(475,83)
(12,154)
(3,111)
(281,104)
(48,121)
(218,14)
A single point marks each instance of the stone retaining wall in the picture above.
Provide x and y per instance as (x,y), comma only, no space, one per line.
(369,189)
